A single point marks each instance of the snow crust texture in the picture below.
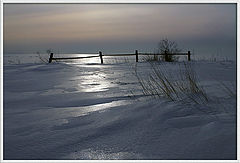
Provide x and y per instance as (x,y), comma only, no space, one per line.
(64,111)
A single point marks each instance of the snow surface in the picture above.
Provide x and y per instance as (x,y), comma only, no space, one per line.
(92,111)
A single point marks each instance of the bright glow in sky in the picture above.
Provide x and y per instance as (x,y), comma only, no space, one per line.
(71,28)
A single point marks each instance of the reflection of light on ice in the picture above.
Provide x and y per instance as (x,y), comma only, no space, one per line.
(84,110)
(94,83)
(90,154)
(95,79)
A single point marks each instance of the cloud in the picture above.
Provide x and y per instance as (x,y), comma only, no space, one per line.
(87,23)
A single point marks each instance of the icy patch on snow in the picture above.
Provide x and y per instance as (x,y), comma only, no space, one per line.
(91,154)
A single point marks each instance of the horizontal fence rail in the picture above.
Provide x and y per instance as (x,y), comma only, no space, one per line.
(74,58)
(163,54)
(118,55)
(122,54)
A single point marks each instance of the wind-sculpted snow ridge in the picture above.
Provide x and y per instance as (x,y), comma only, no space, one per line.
(74,111)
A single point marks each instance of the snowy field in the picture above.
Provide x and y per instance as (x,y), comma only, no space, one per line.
(84,110)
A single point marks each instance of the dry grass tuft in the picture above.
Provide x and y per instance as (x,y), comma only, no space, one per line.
(179,86)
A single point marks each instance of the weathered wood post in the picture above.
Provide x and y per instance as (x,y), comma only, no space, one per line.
(50,59)
(189,59)
(101,57)
(166,57)
(136,52)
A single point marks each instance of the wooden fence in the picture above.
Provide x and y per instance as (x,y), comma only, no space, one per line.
(117,55)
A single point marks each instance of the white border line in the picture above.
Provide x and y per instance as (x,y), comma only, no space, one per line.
(128,2)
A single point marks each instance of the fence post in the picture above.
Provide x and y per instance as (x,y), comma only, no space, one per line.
(189,59)
(136,52)
(101,57)
(50,59)
(166,57)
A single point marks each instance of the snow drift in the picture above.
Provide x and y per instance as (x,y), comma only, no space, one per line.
(91,111)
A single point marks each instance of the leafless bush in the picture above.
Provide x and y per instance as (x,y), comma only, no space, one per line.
(44,57)
(166,46)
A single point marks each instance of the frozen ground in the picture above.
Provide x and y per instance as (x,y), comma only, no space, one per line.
(92,111)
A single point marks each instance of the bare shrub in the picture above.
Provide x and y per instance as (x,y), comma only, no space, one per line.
(44,57)
(163,52)
(166,46)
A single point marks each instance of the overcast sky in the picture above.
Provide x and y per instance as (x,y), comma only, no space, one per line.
(70,28)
